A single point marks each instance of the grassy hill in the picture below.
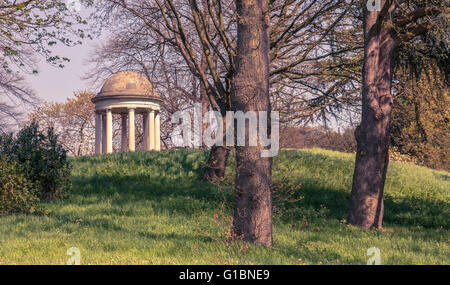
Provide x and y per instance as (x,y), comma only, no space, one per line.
(150,208)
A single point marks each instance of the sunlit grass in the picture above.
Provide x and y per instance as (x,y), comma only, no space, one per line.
(150,208)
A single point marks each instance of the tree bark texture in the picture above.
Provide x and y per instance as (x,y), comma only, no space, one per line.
(216,164)
(372,136)
(250,92)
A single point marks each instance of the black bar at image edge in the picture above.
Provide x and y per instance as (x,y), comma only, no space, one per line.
(212,274)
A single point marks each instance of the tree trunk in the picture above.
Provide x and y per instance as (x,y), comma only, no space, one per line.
(218,156)
(372,136)
(216,164)
(203,93)
(250,92)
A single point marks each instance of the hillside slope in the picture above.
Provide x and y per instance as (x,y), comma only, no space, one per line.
(149,208)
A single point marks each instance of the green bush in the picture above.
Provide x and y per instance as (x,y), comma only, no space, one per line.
(17,193)
(41,158)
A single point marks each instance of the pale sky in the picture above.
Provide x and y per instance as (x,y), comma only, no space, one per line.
(57,84)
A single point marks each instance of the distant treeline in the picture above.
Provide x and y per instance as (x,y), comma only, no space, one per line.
(432,154)
(309,137)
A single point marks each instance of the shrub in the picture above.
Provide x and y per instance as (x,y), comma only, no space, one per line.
(17,193)
(421,117)
(41,158)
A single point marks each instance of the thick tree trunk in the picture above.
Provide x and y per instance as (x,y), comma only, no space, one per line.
(216,164)
(250,92)
(372,158)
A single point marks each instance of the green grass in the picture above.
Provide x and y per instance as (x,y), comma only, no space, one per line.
(149,208)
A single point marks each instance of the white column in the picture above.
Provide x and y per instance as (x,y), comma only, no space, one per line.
(108,131)
(157,132)
(151,131)
(146,140)
(124,133)
(98,133)
(131,143)
(103,133)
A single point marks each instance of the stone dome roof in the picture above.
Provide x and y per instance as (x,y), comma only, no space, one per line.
(127,83)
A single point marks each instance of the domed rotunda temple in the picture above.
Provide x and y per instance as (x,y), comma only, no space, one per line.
(128,94)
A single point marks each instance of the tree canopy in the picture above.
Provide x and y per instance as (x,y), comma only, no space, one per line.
(28,30)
